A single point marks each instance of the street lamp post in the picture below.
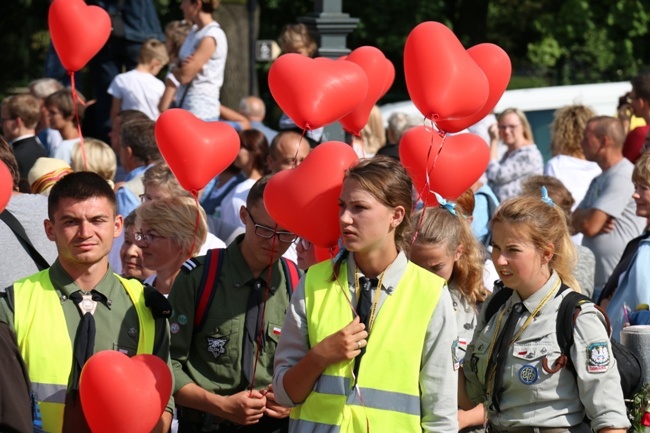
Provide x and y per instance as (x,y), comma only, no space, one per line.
(331,26)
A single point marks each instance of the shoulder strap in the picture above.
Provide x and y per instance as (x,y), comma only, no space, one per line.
(18,230)
(291,274)
(208,286)
(499,298)
(210,278)
(564,324)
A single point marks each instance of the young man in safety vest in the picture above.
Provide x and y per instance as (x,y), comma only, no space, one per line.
(228,312)
(78,307)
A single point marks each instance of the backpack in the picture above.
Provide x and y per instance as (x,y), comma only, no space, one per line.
(492,206)
(629,367)
(210,279)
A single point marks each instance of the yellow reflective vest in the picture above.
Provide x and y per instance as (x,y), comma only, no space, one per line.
(387,397)
(45,345)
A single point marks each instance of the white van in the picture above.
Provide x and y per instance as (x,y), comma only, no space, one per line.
(540,103)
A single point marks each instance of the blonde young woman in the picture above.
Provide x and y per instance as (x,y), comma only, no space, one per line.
(511,364)
(522,158)
(446,246)
(367,339)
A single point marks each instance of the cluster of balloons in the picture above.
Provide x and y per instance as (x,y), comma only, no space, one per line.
(451,86)
(317,92)
(454,88)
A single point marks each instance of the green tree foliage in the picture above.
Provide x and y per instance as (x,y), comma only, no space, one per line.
(552,41)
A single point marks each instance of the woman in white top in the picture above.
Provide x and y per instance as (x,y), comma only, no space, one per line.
(568,163)
(202,61)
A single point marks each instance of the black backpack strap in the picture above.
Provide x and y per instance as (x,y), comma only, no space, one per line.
(500,298)
(18,230)
(208,286)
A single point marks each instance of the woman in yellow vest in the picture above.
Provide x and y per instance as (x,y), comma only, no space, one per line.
(368,339)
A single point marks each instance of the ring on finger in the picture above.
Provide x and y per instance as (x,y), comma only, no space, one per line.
(359,345)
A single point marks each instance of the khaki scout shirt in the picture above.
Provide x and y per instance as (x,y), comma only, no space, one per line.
(116,320)
(212,357)
(534,397)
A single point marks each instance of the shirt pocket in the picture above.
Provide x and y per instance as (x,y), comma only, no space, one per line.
(476,357)
(532,363)
(128,350)
(273,332)
(223,343)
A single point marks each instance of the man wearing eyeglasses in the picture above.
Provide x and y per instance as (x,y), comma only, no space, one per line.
(226,325)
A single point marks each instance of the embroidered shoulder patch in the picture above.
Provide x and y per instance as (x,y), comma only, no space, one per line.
(454,354)
(597,357)
(217,346)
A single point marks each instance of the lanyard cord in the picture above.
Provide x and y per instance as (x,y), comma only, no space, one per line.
(492,372)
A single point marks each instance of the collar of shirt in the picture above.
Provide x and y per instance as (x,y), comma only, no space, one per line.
(533,300)
(22,137)
(66,285)
(392,274)
(241,273)
(135,172)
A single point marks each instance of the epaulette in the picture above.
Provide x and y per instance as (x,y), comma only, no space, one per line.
(190,264)
(156,301)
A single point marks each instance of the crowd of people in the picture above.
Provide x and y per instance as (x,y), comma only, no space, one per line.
(398,331)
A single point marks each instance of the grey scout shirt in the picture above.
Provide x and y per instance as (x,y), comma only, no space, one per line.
(532,396)
(438,378)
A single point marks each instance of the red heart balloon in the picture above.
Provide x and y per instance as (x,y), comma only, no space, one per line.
(316,92)
(78,31)
(389,79)
(122,394)
(452,170)
(304,199)
(378,70)
(443,81)
(496,65)
(196,151)
(6,186)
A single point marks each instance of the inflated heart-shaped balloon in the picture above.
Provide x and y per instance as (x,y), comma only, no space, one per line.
(6,186)
(380,73)
(304,199)
(316,92)
(451,171)
(496,65)
(78,31)
(122,394)
(442,79)
(196,151)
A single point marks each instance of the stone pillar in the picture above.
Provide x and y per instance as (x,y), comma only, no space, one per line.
(331,27)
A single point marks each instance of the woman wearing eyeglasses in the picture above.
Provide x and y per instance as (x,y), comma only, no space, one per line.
(168,235)
(367,341)
(522,158)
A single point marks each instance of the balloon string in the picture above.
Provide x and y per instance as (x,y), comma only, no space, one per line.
(260,331)
(75,99)
(195,195)
(426,189)
(294,163)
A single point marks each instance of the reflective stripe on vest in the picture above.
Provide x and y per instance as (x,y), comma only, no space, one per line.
(45,345)
(390,402)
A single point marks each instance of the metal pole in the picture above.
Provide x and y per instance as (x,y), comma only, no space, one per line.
(252,34)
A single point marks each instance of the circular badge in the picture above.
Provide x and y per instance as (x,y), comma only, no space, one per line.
(174,328)
(182,319)
(528,374)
